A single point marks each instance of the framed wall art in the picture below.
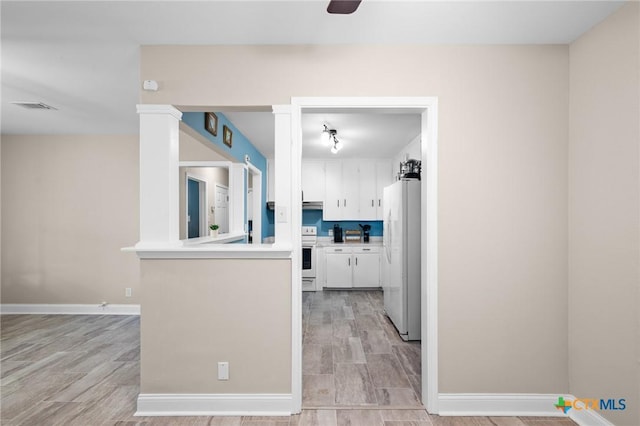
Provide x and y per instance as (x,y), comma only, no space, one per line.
(227,136)
(211,123)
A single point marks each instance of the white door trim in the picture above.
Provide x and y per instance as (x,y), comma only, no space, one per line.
(428,107)
(215,192)
(257,202)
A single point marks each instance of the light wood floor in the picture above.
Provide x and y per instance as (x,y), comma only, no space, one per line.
(353,355)
(84,370)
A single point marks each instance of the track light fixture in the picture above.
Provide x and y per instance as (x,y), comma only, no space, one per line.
(329,138)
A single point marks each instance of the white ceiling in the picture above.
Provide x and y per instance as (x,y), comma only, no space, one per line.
(376,134)
(82,57)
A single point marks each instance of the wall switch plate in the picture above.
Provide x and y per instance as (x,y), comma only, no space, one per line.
(223,371)
(127,292)
(330,232)
(281,214)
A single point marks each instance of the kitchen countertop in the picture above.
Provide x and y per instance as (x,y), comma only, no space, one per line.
(328,242)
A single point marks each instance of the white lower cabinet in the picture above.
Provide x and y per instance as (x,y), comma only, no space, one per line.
(366,267)
(338,269)
(352,267)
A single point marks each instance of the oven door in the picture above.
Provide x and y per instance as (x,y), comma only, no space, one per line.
(308,261)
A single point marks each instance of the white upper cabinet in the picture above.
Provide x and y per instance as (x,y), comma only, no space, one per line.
(342,194)
(350,189)
(333,191)
(313,184)
(368,197)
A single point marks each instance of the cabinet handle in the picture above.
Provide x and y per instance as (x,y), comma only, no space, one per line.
(372,205)
(338,203)
(349,260)
(337,249)
(366,249)
(378,202)
(345,202)
(356,261)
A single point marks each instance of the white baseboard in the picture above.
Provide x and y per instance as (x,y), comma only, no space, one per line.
(214,405)
(588,418)
(488,404)
(68,309)
(485,404)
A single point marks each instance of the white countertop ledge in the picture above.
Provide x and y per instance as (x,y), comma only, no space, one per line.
(212,251)
(220,239)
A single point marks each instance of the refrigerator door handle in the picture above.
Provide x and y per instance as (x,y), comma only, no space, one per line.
(387,234)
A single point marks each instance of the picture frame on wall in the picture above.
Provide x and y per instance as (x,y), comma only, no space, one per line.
(211,123)
(227,136)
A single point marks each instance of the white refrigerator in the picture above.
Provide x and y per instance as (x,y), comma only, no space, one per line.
(401,278)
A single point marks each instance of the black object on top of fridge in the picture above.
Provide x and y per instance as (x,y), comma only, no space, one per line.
(410,169)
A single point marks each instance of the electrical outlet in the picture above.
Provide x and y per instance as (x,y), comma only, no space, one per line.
(223,371)
(127,292)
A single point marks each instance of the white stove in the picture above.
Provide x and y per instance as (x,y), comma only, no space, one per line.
(309,235)
(309,241)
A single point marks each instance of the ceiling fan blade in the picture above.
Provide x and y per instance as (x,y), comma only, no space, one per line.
(343,7)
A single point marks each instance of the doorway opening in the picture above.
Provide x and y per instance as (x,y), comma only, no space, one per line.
(196,201)
(426,108)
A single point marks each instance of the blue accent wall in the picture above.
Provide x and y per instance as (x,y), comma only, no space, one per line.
(241,146)
(314,218)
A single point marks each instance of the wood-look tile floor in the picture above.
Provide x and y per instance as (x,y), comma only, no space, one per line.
(353,356)
(84,370)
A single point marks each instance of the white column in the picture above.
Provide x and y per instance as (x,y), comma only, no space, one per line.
(288,222)
(283,176)
(159,157)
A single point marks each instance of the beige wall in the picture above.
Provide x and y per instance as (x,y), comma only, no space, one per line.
(69,204)
(196,313)
(194,147)
(503,186)
(604,214)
